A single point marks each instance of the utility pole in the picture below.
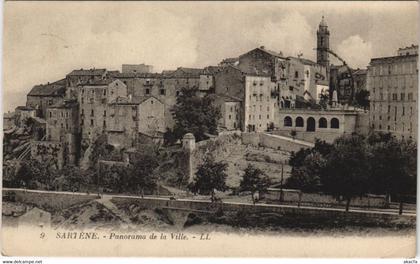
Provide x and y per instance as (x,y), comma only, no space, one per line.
(281,182)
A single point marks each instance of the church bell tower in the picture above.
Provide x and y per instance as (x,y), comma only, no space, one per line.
(323,44)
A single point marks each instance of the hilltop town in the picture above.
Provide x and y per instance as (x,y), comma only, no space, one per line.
(254,112)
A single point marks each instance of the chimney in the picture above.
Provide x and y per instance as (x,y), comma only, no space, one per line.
(262,47)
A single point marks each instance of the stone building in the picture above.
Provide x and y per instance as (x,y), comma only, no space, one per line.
(165,86)
(23,113)
(230,109)
(8,120)
(83,76)
(412,50)
(207,76)
(129,117)
(260,103)
(136,68)
(393,86)
(93,100)
(256,92)
(309,124)
(44,95)
(63,126)
(359,76)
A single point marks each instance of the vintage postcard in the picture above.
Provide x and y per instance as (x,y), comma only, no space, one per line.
(210,129)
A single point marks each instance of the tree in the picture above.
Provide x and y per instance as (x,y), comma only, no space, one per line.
(307,177)
(362,98)
(210,176)
(141,174)
(347,171)
(394,168)
(254,180)
(195,114)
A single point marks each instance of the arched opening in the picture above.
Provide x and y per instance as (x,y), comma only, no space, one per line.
(322,123)
(335,123)
(310,124)
(299,121)
(287,121)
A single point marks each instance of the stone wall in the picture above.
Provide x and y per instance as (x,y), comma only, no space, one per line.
(268,141)
(49,201)
(316,215)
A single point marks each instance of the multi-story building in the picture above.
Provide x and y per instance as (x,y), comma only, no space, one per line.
(22,113)
(230,109)
(63,126)
(393,86)
(257,94)
(165,86)
(128,117)
(93,99)
(136,68)
(44,95)
(82,76)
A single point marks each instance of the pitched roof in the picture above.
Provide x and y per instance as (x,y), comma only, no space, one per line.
(303,60)
(230,60)
(269,52)
(57,88)
(136,75)
(393,59)
(359,71)
(24,108)
(65,104)
(182,72)
(89,72)
(211,70)
(136,100)
(9,115)
(228,98)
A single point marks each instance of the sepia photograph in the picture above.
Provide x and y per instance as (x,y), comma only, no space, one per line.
(210,129)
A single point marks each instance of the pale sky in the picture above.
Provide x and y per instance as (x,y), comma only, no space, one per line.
(43,41)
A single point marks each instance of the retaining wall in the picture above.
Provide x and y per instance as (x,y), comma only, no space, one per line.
(50,201)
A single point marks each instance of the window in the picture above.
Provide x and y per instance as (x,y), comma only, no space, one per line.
(67,126)
(151,101)
(104,91)
(259,117)
(62,125)
(394,97)
(268,116)
(322,123)
(230,117)
(231,109)
(162,91)
(389,108)
(50,114)
(335,123)
(410,96)
(287,121)
(104,123)
(177,93)
(402,96)
(147,91)
(296,74)
(92,113)
(91,122)
(299,121)
(104,112)
(403,110)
